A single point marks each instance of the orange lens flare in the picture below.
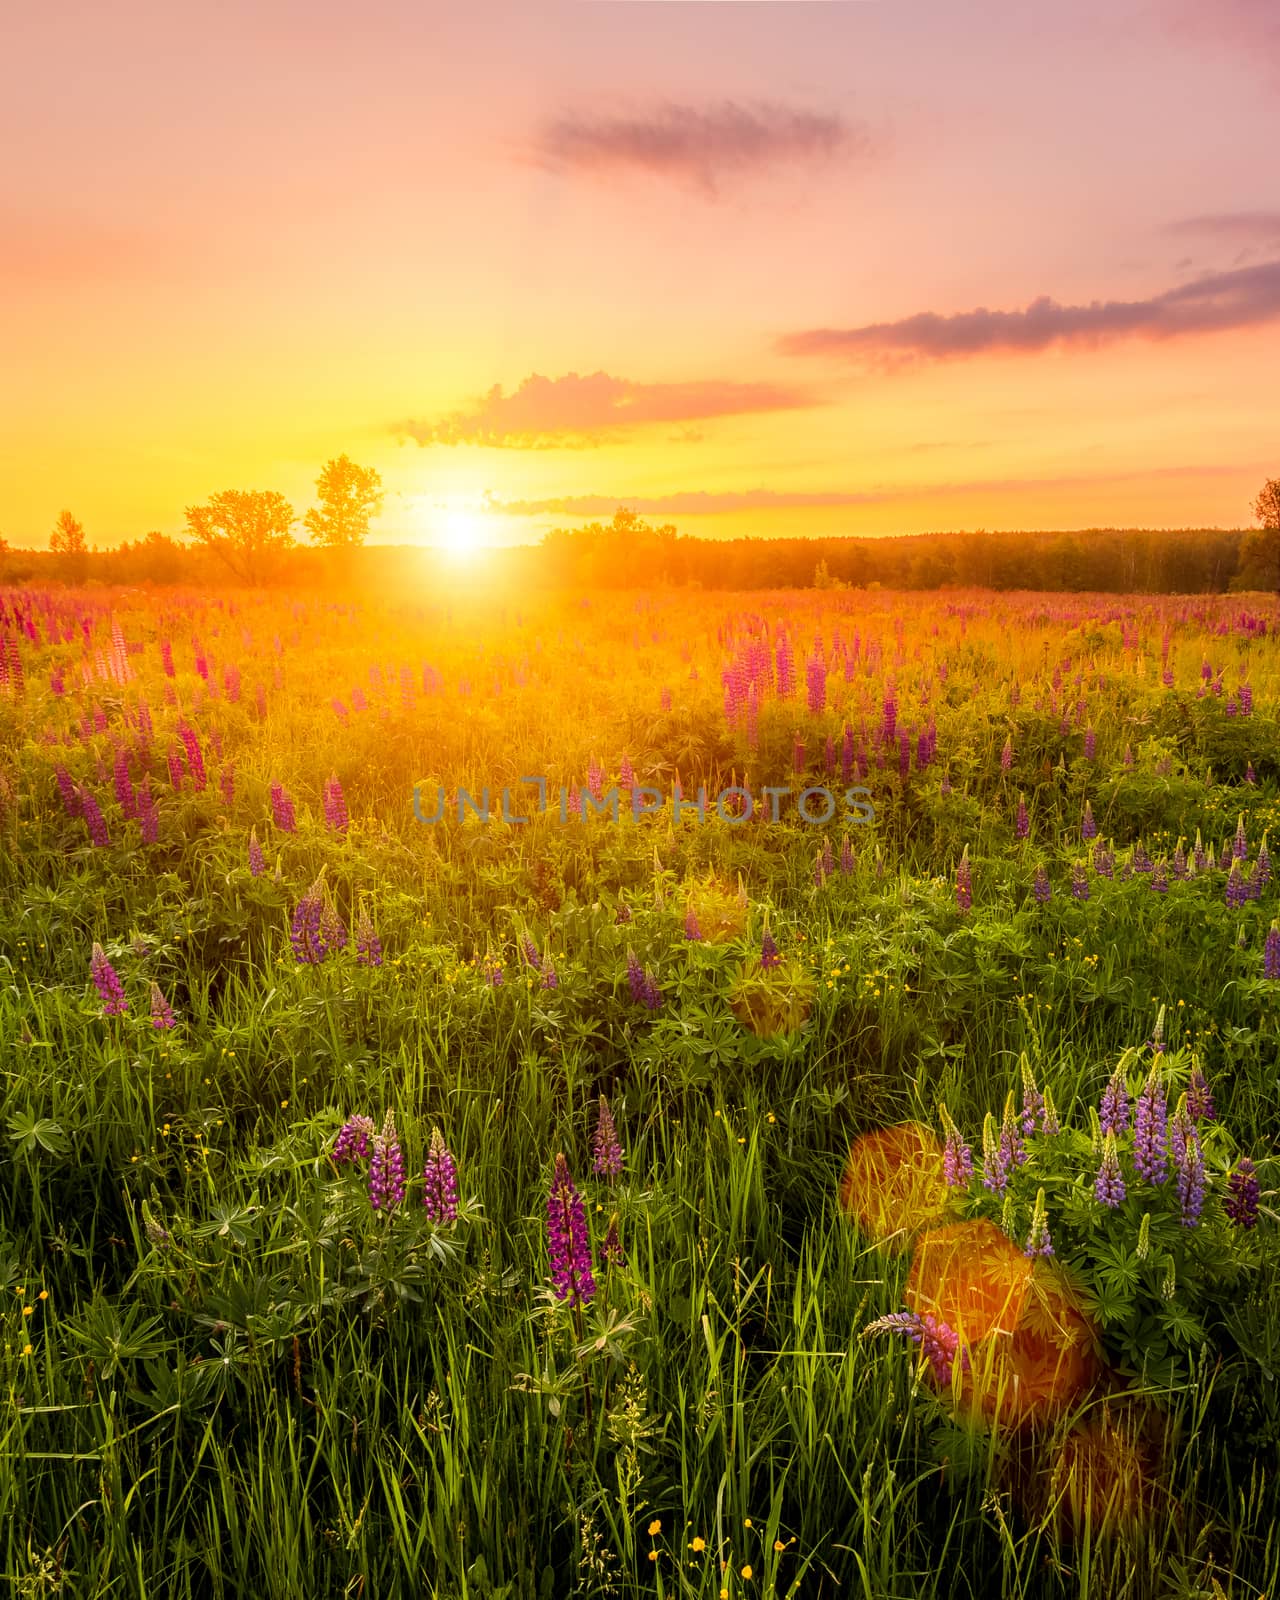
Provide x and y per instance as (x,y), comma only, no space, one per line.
(971,1276)
(893,1184)
(1048,1364)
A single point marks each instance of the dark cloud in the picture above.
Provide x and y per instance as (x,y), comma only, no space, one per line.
(704,147)
(1223,300)
(574,411)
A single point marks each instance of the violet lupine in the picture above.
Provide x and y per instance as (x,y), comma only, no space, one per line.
(1160,879)
(1200,1106)
(368,944)
(938,1341)
(531,953)
(606,1152)
(1240,1203)
(1180,863)
(957,1158)
(305,934)
(67,789)
(110,990)
(1088,827)
(335,805)
(125,792)
(1250,776)
(611,1250)
(1022,821)
(148,816)
(1039,1243)
(550,979)
(568,1241)
(816,676)
(333,936)
(94,820)
(352,1143)
(692,931)
(1246,700)
(1271,952)
(1108,1186)
(227,784)
(282,809)
(1199,855)
(1090,744)
(1240,844)
(770,957)
(995,1166)
(161,1011)
(1150,1130)
(493,973)
(195,760)
(1079,883)
(846,856)
(173,760)
(1041,888)
(440,1182)
(1032,1102)
(257,863)
(1006,755)
(1104,860)
(1237,892)
(386,1168)
(1113,1112)
(1189,1175)
(1013,1149)
(1263,866)
(964,883)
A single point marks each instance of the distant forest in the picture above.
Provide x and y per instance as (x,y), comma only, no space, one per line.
(629,553)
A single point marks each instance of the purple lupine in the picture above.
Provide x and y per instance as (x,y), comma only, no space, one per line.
(440,1182)
(368,944)
(1246,700)
(1032,1102)
(332,934)
(623,914)
(93,819)
(1088,827)
(493,973)
(846,856)
(1179,863)
(819,871)
(1263,866)
(1104,860)
(161,1011)
(964,883)
(125,792)
(652,996)
(816,676)
(306,934)
(1237,892)
(227,784)
(1006,754)
(635,977)
(1271,952)
(352,1143)
(1240,1203)
(386,1168)
(1090,744)
(335,805)
(606,1152)
(568,1241)
(1240,844)
(282,809)
(1039,1243)
(692,931)
(939,1342)
(1108,1186)
(195,760)
(173,761)
(68,790)
(1189,1175)
(611,1250)
(1199,855)
(1013,1149)
(1079,883)
(1200,1106)
(957,1158)
(995,1166)
(1113,1112)
(1160,878)
(769,956)
(257,864)
(1250,776)
(1150,1130)
(1041,887)
(148,816)
(550,979)
(1022,821)
(110,990)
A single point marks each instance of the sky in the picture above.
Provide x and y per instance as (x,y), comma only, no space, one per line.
(767,267)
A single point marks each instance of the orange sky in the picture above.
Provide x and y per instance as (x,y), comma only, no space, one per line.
(752,268)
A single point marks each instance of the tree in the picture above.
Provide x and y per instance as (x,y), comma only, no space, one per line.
(1260,552)
(248,529)
(68,543)
(349,495)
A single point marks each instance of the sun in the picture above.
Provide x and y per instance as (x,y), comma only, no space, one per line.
(460,532)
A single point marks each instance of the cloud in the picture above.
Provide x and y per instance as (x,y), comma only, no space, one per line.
(1246,227)
(703,147)
(705,502)
(1223,300)
(1251,26)
(573,411)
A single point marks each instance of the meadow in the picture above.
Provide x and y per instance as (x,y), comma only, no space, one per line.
(712,1206)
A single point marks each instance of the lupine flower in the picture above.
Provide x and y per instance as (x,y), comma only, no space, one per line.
(568,1241)
(957,1158)
(1079,883)
(635,977)
(1263,867)
(333,936)
(1246,700)
(1022,821)
(769,956)
(1241,1199)
(1006,755)
(195,761)
(1041,888)
(1104,860)
(352,1143)
(1090,744)
(550,980)
(611,1250)
(1179,862)
(1113,1112)
(94,820)
(939,1343)
(964,883)
(692,931)
(624,912)
(606,1151)
(440,1182)
(1039,1244)
(1240,844)
(1250,776)
(161,1010)
(1271,952)
(493,973)
(1048,1114)
(1200,1105)
(335,805)
(368,944)
(305,934)
(1199,855)
(1032,1101)
(995,1166)
(531,953)
(1108,1186)
(1013,1149)
(1189,1174)
(652,995)
(1237,892)
(846,856)
(386,1168)
(282,809)
(257,865)
(108,985)
(1150,1141)
(148,816)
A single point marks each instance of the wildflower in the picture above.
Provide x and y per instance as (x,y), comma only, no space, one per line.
(161,1010)
(282,809)
(769,957)
(1090,744)
(1241,1199)
(957,1158)
(1104,861)
(531,953)
(964,883)
(692,931)
(386,1168)
(1189,1174)
(606,1151)
(1150,1143)
(1041,887)
(1032,1101)
(440,1182)
(195,761)
(96,823)
(368,944)
(1114,1109)
(257,865)
(352,1143)
(1240,844)
(1006,755)
(1088,828)
(306,932)
(611,1250)
(1271,952)
(1022,821)
(635,977)
(335,805)
(995,1164)
(846,856)
(1038,1240)
(1236,892)
(1079,883)
(568,1242)
(1108,1186)
(939,1343)
(1200,1105)
(1048,1115)
(108,985)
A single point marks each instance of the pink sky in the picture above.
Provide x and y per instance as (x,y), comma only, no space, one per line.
(772,267)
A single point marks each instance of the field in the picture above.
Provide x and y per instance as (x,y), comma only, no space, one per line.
(298,1297)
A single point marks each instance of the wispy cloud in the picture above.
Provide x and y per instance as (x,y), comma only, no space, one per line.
(1223,300)
(578,412)
(1259,227)
(704,147)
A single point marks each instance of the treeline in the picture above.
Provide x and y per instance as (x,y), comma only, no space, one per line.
(631,554)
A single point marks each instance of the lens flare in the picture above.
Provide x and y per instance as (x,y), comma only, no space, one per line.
(893,1184)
